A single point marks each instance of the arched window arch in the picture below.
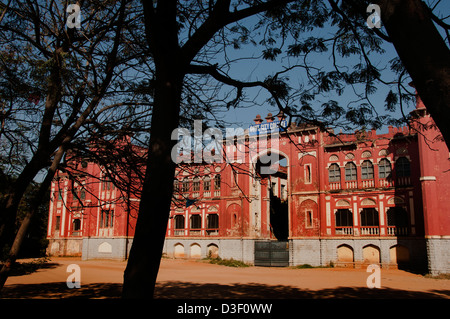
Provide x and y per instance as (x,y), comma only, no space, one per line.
(350,171)
(185,185)
(196,184)
(76,224)
(212,221)
(402,167)
(196,221)
(366,154)
(397,216)
(367,170)
(207,183)
(333,158)
(334,173)
(179,221)
(384,168)
(369,217)
(344,217)
(217,182)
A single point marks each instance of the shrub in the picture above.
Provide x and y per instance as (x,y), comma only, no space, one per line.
(227,262)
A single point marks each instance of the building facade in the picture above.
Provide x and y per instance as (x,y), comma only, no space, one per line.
(346,199)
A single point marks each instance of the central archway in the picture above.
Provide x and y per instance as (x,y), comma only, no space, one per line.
(271,168)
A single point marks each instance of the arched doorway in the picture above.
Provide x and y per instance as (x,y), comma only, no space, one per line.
(271,208)
(178,251)
(399,255)
(273,172)
(371,254)
(213,251)
(345,254)
(195,251)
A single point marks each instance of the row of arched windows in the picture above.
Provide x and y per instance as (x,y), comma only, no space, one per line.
(396,216)
(402,169)
(195,221)
(196,182)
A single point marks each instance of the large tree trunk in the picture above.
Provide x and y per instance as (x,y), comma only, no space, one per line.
(424,54)
(154,209)
(21,233)
(9,206)
(146,251)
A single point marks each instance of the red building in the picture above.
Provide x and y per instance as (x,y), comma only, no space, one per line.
(283,197)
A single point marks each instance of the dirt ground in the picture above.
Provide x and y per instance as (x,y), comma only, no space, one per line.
(197,279)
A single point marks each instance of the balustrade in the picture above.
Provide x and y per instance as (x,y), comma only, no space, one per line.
(344,230)
(367,183)
(370,230)
(397,231)
(335,185)
(351,184)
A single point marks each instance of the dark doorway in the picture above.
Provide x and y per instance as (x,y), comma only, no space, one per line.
(271,253)
(279,221)
(279,208)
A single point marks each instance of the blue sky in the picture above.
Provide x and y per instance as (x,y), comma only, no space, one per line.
(258,69)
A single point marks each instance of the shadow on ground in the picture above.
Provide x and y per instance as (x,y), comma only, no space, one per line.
(188,290)
(256,291)
(60,290)
(26,268)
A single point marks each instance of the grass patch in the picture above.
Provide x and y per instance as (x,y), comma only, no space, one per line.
(308,266)
(304,266)
(227,262)
(440,276)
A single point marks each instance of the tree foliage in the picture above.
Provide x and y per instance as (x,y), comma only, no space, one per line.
(142,69)
(56,83)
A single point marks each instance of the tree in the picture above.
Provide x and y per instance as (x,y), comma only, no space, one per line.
(35,243)
(184,37)
(61,87)
(53,81)
(424,54)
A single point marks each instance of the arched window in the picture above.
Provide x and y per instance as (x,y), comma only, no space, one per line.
(334,173)
(350,171)
(344,217)
(176,188)
(196,221)
(76,224)
(185,185)
(107,219)
(212,221)
(397,216)
(369,217)
(207,183)
(384,168)
(179,221)
(367,170)
(217,182)
(196,184)
(402,167)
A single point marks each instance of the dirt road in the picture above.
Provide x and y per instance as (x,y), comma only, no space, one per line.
(195,279)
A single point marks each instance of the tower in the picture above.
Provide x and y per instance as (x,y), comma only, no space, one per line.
(435,185)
